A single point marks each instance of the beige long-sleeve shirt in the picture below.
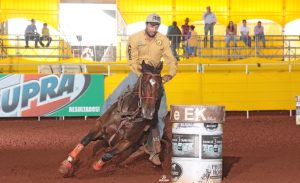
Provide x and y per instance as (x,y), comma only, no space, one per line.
(141,48)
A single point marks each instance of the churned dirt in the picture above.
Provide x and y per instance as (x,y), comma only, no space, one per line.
(262,149)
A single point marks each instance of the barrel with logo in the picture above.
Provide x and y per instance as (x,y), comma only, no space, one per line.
(197,132)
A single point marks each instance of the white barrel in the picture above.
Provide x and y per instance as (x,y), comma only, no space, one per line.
(298,110)
(197,143)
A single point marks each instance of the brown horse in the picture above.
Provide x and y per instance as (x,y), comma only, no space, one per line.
(126,122)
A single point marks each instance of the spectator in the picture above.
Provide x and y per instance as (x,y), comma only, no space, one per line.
(174,35)
(45,36)
(31,34)
(245,34)
(209,23)
(185,28)
(259,34)
(192,41)
(230,34)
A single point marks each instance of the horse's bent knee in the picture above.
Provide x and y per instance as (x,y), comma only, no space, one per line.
(88,138)
(107,157)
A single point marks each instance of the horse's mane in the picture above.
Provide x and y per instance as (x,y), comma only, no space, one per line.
(152,69)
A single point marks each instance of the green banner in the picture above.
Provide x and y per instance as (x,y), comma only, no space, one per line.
(24,95)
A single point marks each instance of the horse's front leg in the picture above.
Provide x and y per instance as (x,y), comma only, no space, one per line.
(66,167)
(118,148)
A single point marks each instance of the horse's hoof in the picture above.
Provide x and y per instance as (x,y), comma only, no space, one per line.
(65,168)
(98,165)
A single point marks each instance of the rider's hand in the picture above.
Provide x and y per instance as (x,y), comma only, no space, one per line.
(166,78)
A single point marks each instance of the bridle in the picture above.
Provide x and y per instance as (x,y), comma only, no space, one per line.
(131,116)
(140,87)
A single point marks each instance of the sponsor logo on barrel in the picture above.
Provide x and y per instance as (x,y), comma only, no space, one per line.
(211,127)
(185,145)
(211,146)
(176,171)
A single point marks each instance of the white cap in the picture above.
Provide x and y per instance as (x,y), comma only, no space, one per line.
(153,18)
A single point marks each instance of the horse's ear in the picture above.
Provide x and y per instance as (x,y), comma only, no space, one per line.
(147,67)
(159,68)
(143,66)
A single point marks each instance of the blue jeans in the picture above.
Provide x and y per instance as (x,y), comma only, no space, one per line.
(246,40)
(130,81)
(260,37)
(192,51)
(174,47)
(209,28)
(230,38)
(35,37)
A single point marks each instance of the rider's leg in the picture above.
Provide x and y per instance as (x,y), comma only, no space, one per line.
(130,81)
(162,113)
(153,143)
(120,147)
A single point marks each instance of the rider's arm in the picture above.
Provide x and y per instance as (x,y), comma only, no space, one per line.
(132,54)
(169,58)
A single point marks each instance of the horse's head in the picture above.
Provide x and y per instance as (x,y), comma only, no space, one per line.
(150,89)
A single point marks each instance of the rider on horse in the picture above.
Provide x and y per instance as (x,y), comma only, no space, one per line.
(148,46)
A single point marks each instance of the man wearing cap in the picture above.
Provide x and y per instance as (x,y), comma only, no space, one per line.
(209,24)
(149,46)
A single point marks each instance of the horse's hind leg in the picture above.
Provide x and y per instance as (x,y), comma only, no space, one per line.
(67,165)
(120,147)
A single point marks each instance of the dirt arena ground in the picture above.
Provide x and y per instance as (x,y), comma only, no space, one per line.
(262,149)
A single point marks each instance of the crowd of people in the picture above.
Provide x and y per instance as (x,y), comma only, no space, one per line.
(189,38)
(186,37)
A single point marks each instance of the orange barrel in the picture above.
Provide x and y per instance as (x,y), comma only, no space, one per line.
(197,132)
(298,110)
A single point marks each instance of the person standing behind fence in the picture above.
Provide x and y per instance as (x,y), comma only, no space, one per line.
(45,36)
(259,34)
(174,35)
(245,34)
(31,34)
(185,28)
(192,41)
(209,23)
(230,34)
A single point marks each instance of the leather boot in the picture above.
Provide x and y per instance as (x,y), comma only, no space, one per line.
(154,158)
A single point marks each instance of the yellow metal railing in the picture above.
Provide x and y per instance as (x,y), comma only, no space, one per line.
(278,47)
(14,46)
